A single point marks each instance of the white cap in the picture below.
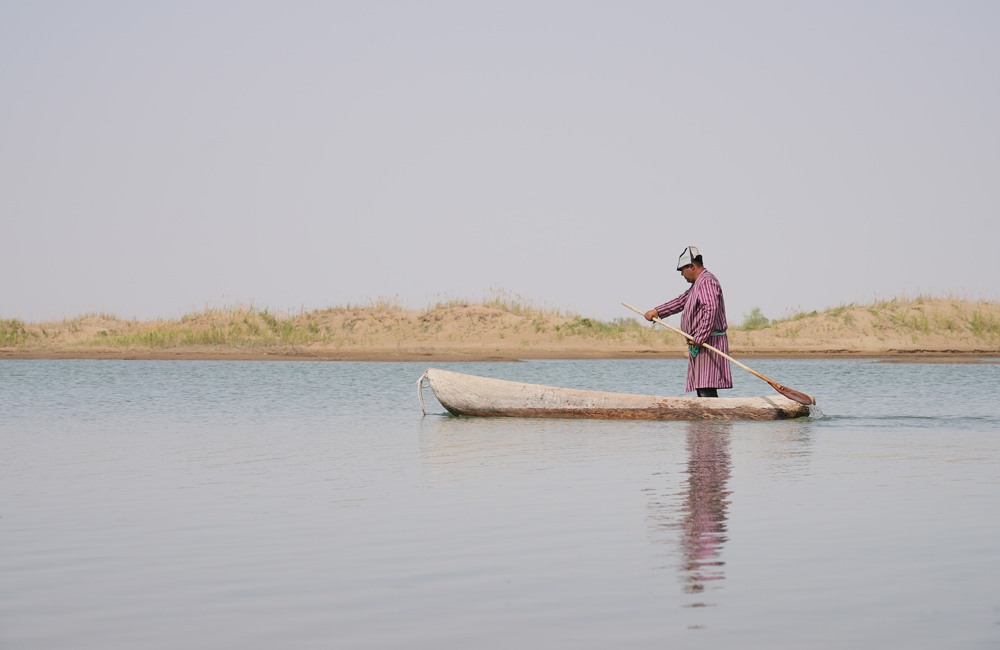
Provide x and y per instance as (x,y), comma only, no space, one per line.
(687,257)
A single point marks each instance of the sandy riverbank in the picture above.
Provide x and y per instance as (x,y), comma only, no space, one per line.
(917,329)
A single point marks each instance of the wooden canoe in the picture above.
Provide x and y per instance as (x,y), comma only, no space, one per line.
(471,395)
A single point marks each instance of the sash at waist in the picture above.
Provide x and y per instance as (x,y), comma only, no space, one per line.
(694,349)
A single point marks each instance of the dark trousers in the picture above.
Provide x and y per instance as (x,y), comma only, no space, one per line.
(708,392)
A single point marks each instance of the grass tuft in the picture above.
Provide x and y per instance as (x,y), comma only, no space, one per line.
(755,320)
(984,323)
(13,333)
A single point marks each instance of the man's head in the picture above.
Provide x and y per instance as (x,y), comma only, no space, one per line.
(690,264)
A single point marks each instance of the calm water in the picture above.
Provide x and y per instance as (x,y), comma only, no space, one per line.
(309,505)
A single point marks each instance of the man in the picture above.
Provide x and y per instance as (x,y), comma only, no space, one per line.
(704,320)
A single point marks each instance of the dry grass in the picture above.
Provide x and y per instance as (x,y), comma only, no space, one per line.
(508,322)
(912,319)
(379,323)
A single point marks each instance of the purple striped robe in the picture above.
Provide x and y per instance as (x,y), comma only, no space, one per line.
(704,312)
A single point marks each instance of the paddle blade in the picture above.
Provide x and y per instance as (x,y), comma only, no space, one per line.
(794,395)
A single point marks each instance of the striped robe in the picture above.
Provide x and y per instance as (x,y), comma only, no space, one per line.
(704,312)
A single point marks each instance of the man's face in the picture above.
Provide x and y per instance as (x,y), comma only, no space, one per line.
(689,273)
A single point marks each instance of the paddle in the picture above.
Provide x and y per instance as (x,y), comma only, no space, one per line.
(791,394)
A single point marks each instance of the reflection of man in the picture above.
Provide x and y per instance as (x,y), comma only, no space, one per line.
(704,319)
(704,523)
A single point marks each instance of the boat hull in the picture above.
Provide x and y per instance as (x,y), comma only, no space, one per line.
(484,397)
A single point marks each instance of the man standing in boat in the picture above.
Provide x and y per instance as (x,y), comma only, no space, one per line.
(704,319)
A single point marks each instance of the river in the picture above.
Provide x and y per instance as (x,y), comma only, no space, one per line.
(201,504)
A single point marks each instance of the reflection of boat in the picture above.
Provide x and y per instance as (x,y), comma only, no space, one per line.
(470,395)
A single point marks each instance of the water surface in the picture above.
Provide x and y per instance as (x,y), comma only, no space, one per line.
(309,505)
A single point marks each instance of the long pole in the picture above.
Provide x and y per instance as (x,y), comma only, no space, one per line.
(790,393)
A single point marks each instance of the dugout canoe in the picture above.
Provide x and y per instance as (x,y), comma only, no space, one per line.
(481,396)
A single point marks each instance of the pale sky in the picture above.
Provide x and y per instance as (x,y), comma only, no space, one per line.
(158,156)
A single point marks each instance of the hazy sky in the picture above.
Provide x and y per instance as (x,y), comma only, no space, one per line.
(158,156)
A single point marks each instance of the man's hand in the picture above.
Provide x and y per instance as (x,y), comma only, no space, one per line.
(651,314)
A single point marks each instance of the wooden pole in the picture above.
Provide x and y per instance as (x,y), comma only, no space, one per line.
(790,393)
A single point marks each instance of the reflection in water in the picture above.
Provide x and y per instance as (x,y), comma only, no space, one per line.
(699,512)
(457,449)
(691,522)
(703,523)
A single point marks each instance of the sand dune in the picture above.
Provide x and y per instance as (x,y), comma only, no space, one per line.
(504,330)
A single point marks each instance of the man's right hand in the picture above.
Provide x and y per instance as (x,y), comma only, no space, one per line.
(651,314)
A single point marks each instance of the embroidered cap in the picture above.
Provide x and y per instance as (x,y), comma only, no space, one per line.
(687,257)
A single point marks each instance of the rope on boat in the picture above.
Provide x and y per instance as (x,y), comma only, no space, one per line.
(420,390)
